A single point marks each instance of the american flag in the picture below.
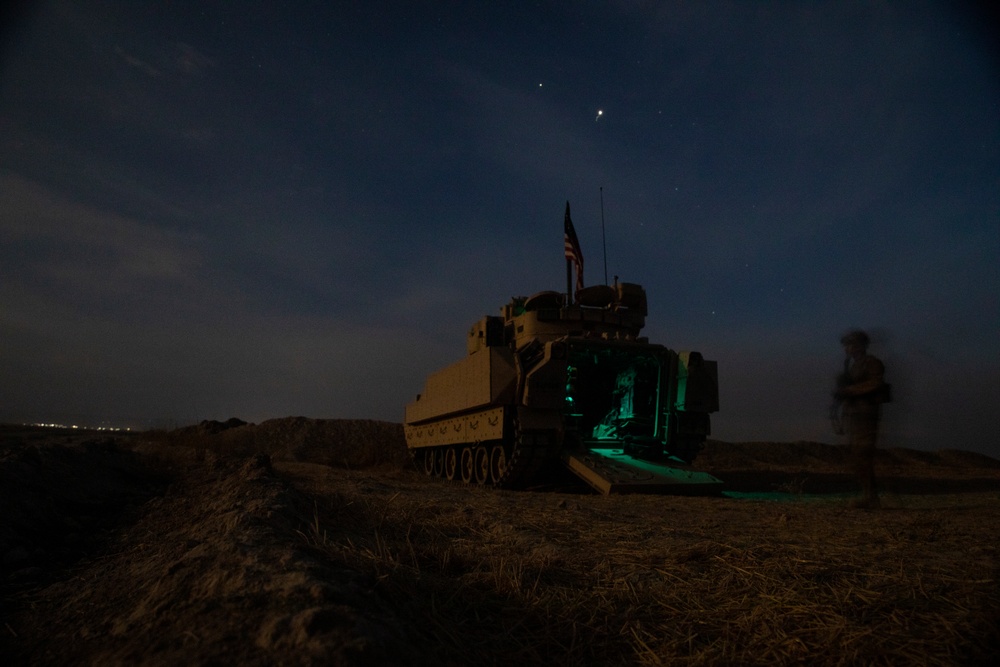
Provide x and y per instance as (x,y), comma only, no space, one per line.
(572,249)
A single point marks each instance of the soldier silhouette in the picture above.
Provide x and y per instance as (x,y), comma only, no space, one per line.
(858,398)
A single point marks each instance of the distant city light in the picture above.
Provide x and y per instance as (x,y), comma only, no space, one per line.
(77,426)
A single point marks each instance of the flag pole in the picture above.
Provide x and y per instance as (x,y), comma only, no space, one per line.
(569,282)
(569,262)
(604,244)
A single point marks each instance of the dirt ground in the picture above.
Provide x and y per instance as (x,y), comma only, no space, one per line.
(315,542)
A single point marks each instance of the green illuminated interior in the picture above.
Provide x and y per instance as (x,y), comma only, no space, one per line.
(613,395)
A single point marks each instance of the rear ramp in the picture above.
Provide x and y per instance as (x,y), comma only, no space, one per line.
(612,471)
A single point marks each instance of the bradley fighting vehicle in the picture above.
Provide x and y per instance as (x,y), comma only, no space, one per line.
(552,381)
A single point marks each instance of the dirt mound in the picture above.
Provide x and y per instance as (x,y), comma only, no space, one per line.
(351,443)
(364,443)
(804,455)
(217,568)
(229,543)
(956,457)
(211,426)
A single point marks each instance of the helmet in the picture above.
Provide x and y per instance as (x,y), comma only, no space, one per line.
(856,336)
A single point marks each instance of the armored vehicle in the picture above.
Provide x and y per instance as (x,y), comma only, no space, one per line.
(551,381)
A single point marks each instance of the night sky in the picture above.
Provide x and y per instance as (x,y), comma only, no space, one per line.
(217,209)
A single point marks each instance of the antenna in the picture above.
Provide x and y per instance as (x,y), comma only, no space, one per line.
(604,244)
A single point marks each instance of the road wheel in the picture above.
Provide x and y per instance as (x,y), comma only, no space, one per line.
(450,463)
(482,465)
(498,463)
(467,467)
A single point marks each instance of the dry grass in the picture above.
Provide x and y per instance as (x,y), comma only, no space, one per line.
(386,562)
(579,580)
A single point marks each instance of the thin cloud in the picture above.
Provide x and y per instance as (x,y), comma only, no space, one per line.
(138,64)
(87,246)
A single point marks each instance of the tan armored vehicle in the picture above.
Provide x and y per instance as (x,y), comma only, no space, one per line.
(550,382)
